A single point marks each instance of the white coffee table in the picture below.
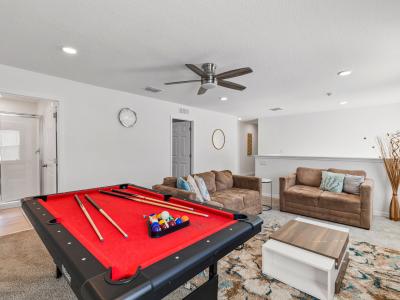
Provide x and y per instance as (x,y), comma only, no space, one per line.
(310,272)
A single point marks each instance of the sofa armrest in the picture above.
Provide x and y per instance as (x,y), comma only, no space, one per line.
(247,182)
(366,197)
(284,184)
(174,191)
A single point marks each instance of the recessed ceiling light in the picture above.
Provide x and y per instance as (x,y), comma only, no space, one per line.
(343,102)
(223,98)
(344,73)
(69,50)
(240,119)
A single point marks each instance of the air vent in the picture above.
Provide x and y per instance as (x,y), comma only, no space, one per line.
(183,110)
(152,89)
(276,108)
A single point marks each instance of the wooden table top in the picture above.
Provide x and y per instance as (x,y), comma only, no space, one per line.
(321,240)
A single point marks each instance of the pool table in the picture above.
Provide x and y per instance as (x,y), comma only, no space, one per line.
(139,266)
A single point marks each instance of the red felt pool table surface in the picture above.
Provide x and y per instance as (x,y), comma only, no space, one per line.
(122,255)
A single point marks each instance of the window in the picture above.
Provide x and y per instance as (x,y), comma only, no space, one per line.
(9,145)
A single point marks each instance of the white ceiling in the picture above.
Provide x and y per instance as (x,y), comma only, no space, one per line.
(294,47)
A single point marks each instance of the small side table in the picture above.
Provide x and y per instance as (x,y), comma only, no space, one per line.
(267,180)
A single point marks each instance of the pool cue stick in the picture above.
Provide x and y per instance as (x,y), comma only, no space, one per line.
(105,215)
(153,203)
(151,199)
(88,217)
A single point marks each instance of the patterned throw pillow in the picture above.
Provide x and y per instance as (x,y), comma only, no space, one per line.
(183,184)
(352,184)
(332,182)
(194,188)
(202,187)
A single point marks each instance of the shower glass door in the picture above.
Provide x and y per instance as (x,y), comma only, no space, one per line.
(19,157)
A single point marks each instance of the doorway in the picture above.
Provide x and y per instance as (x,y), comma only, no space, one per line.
(28,148)
(182,137)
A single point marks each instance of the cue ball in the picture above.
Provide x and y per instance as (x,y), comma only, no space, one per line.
(165,215)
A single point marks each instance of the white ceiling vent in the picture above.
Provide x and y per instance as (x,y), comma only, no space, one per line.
(276,109)
(152,89)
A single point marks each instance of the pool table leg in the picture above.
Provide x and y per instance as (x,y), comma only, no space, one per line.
(209,290)
(58,272)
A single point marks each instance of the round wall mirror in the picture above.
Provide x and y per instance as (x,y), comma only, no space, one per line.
(218,139)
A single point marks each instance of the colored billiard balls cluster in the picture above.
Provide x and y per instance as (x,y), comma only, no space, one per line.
(164,220)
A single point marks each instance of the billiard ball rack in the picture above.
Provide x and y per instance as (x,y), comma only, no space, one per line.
(170,229)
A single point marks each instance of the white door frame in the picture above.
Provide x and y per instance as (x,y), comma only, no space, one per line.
(192,144)
(39,98)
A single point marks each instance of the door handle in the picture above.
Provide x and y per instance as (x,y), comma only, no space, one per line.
(44,166)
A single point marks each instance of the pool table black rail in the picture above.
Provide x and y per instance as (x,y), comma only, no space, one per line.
(89,279)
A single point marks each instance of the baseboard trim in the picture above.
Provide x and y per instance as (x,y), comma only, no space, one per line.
(12,204)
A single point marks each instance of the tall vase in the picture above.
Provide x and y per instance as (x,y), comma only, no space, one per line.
(394,208)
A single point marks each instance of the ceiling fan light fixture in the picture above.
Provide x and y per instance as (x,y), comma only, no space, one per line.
(208,83)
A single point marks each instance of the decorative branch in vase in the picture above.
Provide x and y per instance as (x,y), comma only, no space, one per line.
(389,147)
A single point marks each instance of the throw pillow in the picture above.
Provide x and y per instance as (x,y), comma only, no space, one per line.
(202,187)
(183,184)
(332,182)
(194,188)
(352,184)
(223,180)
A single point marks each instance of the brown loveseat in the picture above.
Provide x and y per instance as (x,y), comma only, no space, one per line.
(235,192)
(300,194)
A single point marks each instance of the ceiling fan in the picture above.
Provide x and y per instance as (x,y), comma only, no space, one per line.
(210,80)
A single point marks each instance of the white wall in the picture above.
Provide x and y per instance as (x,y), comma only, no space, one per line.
(246,162)
(95,150)
(336,133)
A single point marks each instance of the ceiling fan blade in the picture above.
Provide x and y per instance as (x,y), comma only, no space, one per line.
(195,69)
(178,82)
(234,73)
(231,85)
(201,91)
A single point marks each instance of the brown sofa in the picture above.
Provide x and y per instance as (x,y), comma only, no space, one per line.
(300,194)
(235,192)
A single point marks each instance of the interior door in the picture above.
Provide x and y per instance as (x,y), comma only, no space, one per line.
(49,150)
(19,157)
(181,148)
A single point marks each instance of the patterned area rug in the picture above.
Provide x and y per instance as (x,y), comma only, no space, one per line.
(373,273)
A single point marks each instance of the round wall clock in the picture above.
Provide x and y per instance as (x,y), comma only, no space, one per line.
(127,117)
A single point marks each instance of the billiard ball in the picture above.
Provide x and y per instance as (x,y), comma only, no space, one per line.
(185,218)
(171,223)
(155,228)
(153,219)
(178,221)
(163,225)
(165,215)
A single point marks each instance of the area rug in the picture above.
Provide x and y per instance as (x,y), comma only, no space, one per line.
(27,272)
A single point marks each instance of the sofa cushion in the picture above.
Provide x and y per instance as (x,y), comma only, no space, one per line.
(340,202)
(250,197)
(350,172)
(183,185)
(194,188)
(209,180)
(352,184)
(202,187)
(223,180)
(303,194)
(308,176)
(230,199)
(332,182)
